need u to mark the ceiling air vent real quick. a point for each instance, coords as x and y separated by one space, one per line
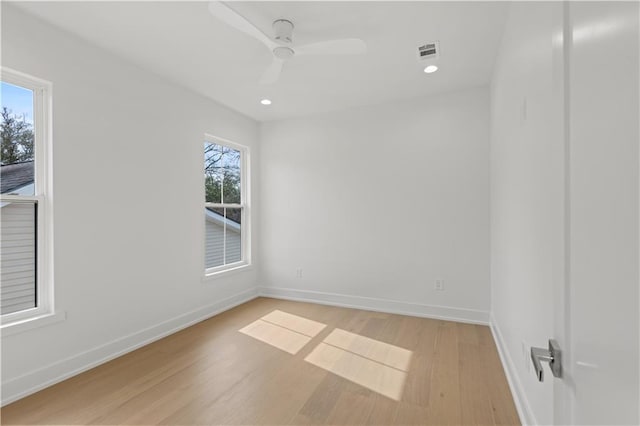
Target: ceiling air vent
428 51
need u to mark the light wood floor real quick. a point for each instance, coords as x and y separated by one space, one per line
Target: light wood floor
440 372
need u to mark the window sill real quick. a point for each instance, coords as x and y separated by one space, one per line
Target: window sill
224 272
32 323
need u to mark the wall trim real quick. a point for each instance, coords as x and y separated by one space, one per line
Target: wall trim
51 374
517 391
471 316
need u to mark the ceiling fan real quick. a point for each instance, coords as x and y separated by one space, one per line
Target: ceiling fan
281 45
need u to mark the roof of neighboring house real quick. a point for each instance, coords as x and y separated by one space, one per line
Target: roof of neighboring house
233 215
220 220
14 176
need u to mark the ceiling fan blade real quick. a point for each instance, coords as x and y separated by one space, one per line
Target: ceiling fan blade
347 46
272 73
237 21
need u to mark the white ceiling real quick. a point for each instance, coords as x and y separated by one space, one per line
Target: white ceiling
184 43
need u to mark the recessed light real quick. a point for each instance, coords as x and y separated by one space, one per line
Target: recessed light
266 102
430 69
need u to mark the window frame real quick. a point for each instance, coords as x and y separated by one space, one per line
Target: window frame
42 127
245 206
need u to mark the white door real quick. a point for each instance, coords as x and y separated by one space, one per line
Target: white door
598 322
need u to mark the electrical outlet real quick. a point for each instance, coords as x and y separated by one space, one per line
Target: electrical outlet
439 285
299 273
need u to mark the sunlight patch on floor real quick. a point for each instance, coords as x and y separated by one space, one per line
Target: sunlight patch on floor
376 365
384 353
295 323
284 331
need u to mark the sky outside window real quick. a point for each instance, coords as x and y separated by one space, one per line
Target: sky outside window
17 145
18 100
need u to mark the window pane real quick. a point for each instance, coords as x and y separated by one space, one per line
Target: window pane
213 173
17 144
223 185
18 256
232 176
233 240
214 244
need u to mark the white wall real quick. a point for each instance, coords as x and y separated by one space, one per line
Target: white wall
128 194
379 202
527 190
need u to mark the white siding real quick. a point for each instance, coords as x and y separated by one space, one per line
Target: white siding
214 244
17 257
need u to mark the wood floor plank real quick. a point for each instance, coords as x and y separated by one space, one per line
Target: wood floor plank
497 388
409 414
417 386
351 409
384 411
383 329
474 399
409 333
428 336
211 373
256 401
444 396
322 401
179 387
467 333
485 337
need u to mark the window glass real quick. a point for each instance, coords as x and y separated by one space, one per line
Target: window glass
224 205
231 176
233 234
19 201
18 262
17 149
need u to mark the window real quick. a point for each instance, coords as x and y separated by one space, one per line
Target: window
225 208
26 283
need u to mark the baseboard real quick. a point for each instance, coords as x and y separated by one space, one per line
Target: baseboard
517 391
34 381
379 305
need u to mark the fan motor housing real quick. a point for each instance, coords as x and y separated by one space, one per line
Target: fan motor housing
283 29
283 52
